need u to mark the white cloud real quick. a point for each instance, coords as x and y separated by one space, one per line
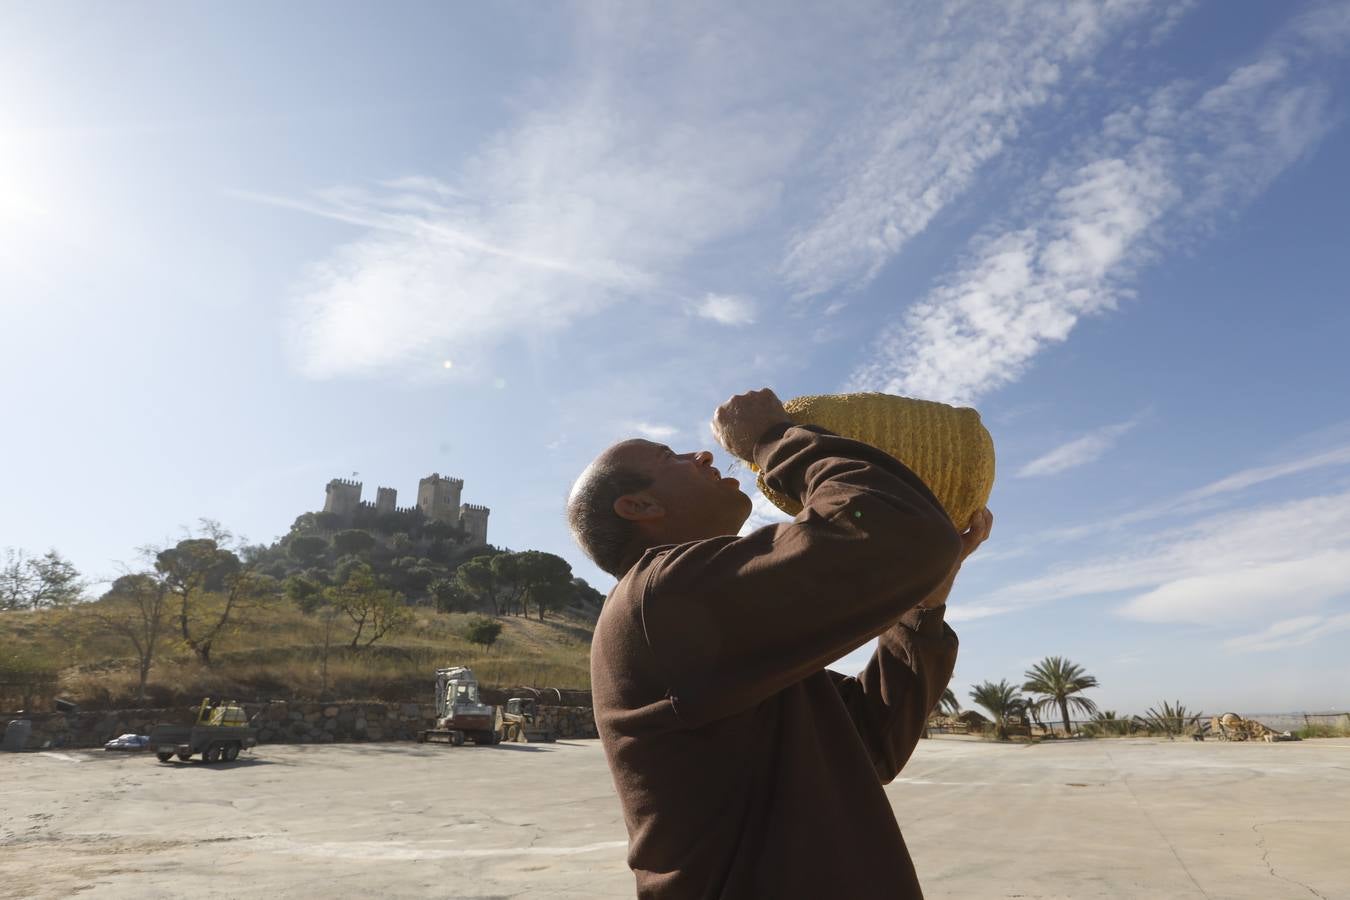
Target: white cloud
1287 633
654 431
1220 570
1173 164
596 195
960 82
727 309
1077 452
762 513
1235 589
1202 497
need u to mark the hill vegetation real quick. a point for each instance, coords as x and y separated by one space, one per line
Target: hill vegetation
324 612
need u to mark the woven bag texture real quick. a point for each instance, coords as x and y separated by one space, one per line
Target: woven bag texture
946 446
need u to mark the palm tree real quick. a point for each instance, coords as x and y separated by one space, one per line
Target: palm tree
949 704
1057 680
1170 720
1000 699
1109 722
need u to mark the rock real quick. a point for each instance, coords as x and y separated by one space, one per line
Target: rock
330 712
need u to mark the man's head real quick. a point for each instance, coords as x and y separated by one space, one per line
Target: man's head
640 494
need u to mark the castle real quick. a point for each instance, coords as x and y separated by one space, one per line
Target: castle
437 499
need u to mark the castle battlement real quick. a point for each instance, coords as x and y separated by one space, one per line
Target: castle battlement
438 499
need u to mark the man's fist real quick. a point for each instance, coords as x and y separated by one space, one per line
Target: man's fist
977 533
742 420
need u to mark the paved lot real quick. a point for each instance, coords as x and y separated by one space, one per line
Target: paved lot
1075 820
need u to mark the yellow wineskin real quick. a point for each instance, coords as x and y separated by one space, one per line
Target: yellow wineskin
946 446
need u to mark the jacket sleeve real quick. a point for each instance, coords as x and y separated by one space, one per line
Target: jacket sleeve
890 700
733 620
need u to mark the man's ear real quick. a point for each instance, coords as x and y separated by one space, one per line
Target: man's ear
638 508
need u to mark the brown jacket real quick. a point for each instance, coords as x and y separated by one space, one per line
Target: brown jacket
745 769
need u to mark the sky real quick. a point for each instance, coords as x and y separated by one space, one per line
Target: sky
247 248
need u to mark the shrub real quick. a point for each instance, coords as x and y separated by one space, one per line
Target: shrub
482 630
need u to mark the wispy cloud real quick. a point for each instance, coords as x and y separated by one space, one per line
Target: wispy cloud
727 309
596 195
1293 632
1078 452
1171 165
1203 497
612 178
1219 570
961 81
654 431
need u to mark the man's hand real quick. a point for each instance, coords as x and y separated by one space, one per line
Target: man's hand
742 420
980 525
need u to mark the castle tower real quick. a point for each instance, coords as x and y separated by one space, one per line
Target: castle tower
438 498
474 518
342 497
386 500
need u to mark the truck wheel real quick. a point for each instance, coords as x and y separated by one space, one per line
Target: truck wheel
163 757
185 755
457 738
212 754
231 752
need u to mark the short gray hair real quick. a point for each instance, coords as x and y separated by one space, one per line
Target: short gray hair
602 534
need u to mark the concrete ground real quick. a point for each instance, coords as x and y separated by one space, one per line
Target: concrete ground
1111 818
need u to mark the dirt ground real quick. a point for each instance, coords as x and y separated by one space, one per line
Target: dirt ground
1111 818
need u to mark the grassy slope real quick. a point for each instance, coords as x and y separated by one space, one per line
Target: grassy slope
278 655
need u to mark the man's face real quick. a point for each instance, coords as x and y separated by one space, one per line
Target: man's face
694 499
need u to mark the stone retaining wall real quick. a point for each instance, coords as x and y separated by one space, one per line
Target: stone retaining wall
282 723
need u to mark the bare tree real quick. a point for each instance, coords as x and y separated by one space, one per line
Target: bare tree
369 605
136 609
40 582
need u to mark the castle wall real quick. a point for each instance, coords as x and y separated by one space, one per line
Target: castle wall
475 521
438 497
342 497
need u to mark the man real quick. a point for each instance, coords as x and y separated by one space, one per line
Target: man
745 768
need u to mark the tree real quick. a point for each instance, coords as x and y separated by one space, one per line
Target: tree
40 582
547 579
211 588
328 614
1058 681
478 579
1171 720
482 630
949 704
303 592
1108 722
450 597
307 549
1001 700
135 608
369 605
511 583
353 542
586 598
